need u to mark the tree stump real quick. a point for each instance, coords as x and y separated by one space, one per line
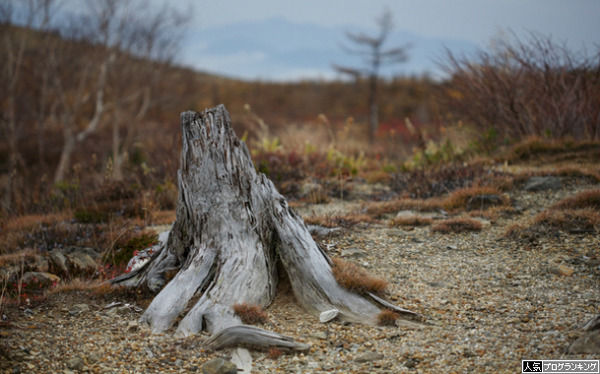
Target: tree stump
232 228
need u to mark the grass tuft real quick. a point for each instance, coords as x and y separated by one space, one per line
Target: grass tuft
250 314
355 278
413 220
584 200
387 318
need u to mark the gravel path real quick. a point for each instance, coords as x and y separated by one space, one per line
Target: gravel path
489 302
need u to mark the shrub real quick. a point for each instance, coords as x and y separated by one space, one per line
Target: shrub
355 278
127 245
250 314
457 225
523 88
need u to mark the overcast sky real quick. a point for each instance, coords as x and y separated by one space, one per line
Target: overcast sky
574 21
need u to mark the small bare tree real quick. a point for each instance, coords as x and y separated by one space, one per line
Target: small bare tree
371 48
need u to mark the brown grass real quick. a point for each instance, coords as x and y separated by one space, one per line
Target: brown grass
572 220
583 200
77 284
493 213
16 257
457 225
458 199
536 147
387 318
413 220
250 314
355 278
163 217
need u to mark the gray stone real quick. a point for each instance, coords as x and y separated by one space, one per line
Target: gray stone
219 366
328 315
542 183
78 309
81 263
322 335
76 363
483 201
369 356
588 343
41 279
133 326
58 263
352 252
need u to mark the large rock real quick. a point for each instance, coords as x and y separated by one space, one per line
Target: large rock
542 183
483 201
588 343
58 263
41 279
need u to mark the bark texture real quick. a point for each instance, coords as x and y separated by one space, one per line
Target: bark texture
232 228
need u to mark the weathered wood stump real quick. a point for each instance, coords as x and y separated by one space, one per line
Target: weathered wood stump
232 228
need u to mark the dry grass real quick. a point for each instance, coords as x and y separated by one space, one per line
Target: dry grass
16 230
77 284
570 220
535 147
355 278
457 225
583 200
387 318
250 314
493 213
412 220
16 257
458 199
163 217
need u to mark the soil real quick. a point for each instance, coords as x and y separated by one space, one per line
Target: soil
489 301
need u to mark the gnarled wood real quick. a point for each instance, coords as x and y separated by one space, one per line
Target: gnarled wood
231 229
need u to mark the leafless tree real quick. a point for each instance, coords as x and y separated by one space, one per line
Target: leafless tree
371 48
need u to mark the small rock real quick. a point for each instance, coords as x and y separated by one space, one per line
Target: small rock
219 366
352 252
319 335
133 326
81 263
563 270
78 309
542 183
58 263
76 363
369 356
328 315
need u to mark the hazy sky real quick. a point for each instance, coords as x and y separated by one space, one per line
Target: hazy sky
574 21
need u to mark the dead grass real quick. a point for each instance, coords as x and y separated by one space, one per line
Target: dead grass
569 220
583 200
457 225
387 318
274 353
250 314
163 217
535 147
77 284
355 278
16 257
413 220
16 230
493 213
458 199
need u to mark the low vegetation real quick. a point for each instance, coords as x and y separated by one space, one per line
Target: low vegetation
250 314
355 278
387 318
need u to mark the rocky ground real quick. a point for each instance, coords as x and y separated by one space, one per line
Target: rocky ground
489 301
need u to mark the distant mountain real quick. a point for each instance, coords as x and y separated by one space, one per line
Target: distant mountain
280 50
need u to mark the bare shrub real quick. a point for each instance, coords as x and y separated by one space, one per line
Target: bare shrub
532 87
